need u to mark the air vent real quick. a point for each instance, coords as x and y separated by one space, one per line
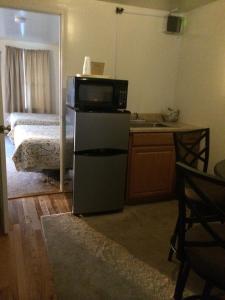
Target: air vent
174 24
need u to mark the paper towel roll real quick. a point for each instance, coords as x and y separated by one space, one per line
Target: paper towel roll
87 65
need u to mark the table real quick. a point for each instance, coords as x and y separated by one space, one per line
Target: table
219 169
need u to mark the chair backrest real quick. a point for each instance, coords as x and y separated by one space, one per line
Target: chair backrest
211 192
192 148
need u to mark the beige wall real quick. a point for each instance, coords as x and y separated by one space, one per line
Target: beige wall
148 58
200 93
54 66
89 30
143 53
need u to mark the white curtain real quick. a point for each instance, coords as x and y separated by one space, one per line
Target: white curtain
37 76
14 80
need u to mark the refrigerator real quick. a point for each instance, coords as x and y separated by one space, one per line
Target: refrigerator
100 155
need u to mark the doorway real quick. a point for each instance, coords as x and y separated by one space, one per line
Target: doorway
30 46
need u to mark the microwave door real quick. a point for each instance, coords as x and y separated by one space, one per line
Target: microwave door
95 95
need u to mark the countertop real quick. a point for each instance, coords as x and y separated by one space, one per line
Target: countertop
172 127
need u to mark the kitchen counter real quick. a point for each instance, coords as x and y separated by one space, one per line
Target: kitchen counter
151 160
169 127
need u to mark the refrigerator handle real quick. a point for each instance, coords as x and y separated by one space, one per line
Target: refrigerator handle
101 152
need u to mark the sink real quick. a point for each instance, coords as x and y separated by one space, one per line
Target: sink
144 123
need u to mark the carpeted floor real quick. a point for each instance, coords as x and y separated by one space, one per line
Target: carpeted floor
88 265
143 231
26 183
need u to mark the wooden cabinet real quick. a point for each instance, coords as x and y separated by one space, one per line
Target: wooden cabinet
151 167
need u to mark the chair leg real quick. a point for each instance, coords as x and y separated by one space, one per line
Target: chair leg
190 224
181 280
173 241
207 291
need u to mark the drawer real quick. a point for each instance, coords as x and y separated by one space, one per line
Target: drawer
152 139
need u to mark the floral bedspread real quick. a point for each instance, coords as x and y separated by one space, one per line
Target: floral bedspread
37 147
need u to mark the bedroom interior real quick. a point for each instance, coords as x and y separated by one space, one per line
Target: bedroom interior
30 89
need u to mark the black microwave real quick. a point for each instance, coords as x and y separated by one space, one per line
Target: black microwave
96 94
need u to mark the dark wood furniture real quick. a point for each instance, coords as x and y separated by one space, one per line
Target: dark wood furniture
201 247
192 149
151 166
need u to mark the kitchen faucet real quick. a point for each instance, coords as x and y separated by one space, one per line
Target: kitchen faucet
136 116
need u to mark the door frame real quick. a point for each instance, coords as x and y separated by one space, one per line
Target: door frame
3 185
3 181
61 103
61 13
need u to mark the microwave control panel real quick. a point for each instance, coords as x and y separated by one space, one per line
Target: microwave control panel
122 97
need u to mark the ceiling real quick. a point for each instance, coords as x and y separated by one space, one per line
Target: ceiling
38 27
181 5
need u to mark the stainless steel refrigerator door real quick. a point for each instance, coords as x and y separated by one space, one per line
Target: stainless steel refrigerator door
101 130
99 183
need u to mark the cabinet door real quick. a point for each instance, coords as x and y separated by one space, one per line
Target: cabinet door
151 171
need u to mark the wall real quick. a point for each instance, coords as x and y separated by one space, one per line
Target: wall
89 31
200 90
90 28
54 66
148 58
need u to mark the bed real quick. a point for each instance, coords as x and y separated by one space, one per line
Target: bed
30 119
33 119
37 147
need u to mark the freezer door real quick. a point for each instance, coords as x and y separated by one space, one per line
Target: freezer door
101 130
99 183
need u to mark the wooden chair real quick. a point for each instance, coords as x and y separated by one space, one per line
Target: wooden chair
201 247
192 149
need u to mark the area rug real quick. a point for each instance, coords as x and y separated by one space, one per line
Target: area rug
88 265
144 230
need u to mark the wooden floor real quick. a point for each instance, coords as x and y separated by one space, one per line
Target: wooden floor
24 268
